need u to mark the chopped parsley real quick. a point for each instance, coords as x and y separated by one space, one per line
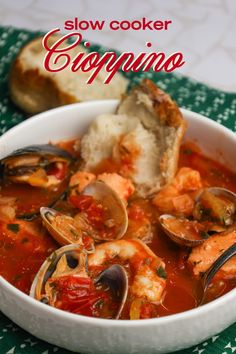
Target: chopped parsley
188 151
161 272
204 234
14 228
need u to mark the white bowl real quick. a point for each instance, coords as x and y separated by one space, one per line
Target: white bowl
91 335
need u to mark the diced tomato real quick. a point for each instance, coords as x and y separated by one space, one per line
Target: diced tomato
77 295
58 170
136 212
148 310
81 202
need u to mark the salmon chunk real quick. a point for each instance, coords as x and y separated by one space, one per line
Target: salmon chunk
202 257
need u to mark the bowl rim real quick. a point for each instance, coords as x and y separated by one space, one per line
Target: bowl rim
195 312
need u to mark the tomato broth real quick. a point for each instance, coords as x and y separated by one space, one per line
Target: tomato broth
24 245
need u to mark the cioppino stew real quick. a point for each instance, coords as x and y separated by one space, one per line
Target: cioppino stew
77 234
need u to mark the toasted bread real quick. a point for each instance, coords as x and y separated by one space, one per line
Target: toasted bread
159 114
144 138
34 89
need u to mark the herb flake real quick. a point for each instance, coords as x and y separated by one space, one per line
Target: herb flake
161 272
14 228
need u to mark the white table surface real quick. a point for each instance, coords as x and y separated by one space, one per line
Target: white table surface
204 30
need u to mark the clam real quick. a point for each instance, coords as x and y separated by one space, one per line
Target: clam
210 273
215 203
115 277
114 207
213 212
72 262
67 260
37 165
65 229
183 231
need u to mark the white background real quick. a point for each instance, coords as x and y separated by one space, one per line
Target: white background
204 30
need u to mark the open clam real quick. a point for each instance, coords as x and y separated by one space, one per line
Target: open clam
115 277
104 202
64 281
68 260
37 165
183 231
213 212
215 203
67 230
116 218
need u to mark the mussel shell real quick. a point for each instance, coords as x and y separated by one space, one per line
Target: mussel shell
44 149
179 239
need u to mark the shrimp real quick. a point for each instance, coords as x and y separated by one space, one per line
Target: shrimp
122 186
173 198
148 278
80 180
202 257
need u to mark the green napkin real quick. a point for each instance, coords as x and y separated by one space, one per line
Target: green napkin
217 105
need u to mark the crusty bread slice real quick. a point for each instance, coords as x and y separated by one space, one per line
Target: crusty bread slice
34 89
160 115
146 131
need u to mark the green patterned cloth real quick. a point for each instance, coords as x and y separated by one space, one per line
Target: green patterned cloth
217 105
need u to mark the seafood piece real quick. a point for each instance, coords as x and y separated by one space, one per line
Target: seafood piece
115 277
214 268
67 260
122 186
183 231
102 217
203 256
80 180
148 270
7 208
218 204
214 210
141 222
174 198
66 230
63 281
43 166
103 210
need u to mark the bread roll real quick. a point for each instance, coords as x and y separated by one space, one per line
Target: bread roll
34 89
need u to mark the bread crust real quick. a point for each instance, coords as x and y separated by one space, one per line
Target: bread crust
167 123
35 90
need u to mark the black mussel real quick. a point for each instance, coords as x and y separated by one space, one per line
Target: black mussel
43 166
